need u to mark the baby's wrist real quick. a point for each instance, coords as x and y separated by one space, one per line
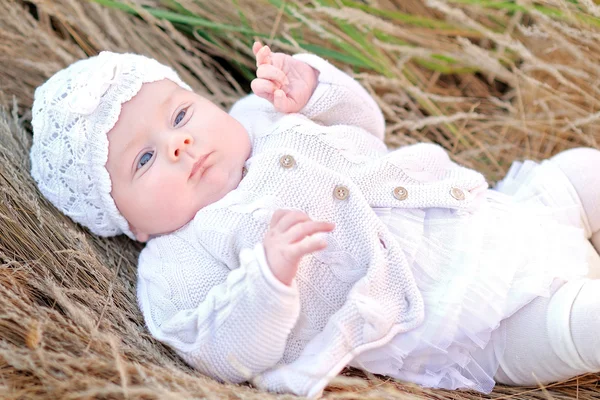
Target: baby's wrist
269 274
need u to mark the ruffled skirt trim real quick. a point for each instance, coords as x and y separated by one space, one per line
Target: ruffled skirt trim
476 269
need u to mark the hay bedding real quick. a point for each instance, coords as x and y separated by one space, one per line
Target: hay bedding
69 324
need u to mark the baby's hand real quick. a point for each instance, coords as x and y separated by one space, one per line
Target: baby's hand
289 239
286 82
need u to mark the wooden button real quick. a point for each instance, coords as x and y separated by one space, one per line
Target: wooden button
400 193
341 192
287 161
457 193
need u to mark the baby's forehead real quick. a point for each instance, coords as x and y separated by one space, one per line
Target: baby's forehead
153 97
158 90
154 102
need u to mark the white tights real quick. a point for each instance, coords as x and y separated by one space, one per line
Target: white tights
557 338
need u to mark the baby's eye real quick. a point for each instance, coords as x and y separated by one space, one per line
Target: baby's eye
147 156
179 117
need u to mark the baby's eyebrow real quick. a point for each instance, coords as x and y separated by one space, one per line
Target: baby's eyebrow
130 143
168 103
164 106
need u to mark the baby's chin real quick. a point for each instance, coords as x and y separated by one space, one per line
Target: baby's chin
227 183
163 231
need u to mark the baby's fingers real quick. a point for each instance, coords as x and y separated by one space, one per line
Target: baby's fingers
284 103
263 88
274 74
289 219
256 46
306 246
262 54
299 231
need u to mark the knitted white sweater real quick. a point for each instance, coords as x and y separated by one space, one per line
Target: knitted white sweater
207 291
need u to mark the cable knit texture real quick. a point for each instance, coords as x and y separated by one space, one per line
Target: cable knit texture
207 291
72 114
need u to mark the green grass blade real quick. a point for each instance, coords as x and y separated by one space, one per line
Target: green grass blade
178 18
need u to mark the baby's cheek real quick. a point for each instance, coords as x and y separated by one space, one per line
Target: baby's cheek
212 179
170 214
162 202
171 198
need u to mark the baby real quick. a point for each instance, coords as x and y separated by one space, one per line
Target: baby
285 242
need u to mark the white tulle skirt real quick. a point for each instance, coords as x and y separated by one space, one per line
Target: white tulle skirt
476 269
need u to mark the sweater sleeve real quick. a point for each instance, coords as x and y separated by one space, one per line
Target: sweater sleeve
229 324
338 99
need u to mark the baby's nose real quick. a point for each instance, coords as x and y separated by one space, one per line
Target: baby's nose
178 144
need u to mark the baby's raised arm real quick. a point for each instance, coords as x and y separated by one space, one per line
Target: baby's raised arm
309 85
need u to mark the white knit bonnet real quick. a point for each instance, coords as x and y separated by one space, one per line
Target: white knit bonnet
71 116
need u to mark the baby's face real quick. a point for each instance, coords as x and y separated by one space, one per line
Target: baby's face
171 153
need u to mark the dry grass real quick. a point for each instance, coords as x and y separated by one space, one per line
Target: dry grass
69 324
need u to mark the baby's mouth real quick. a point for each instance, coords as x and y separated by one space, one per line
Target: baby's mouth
199 165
